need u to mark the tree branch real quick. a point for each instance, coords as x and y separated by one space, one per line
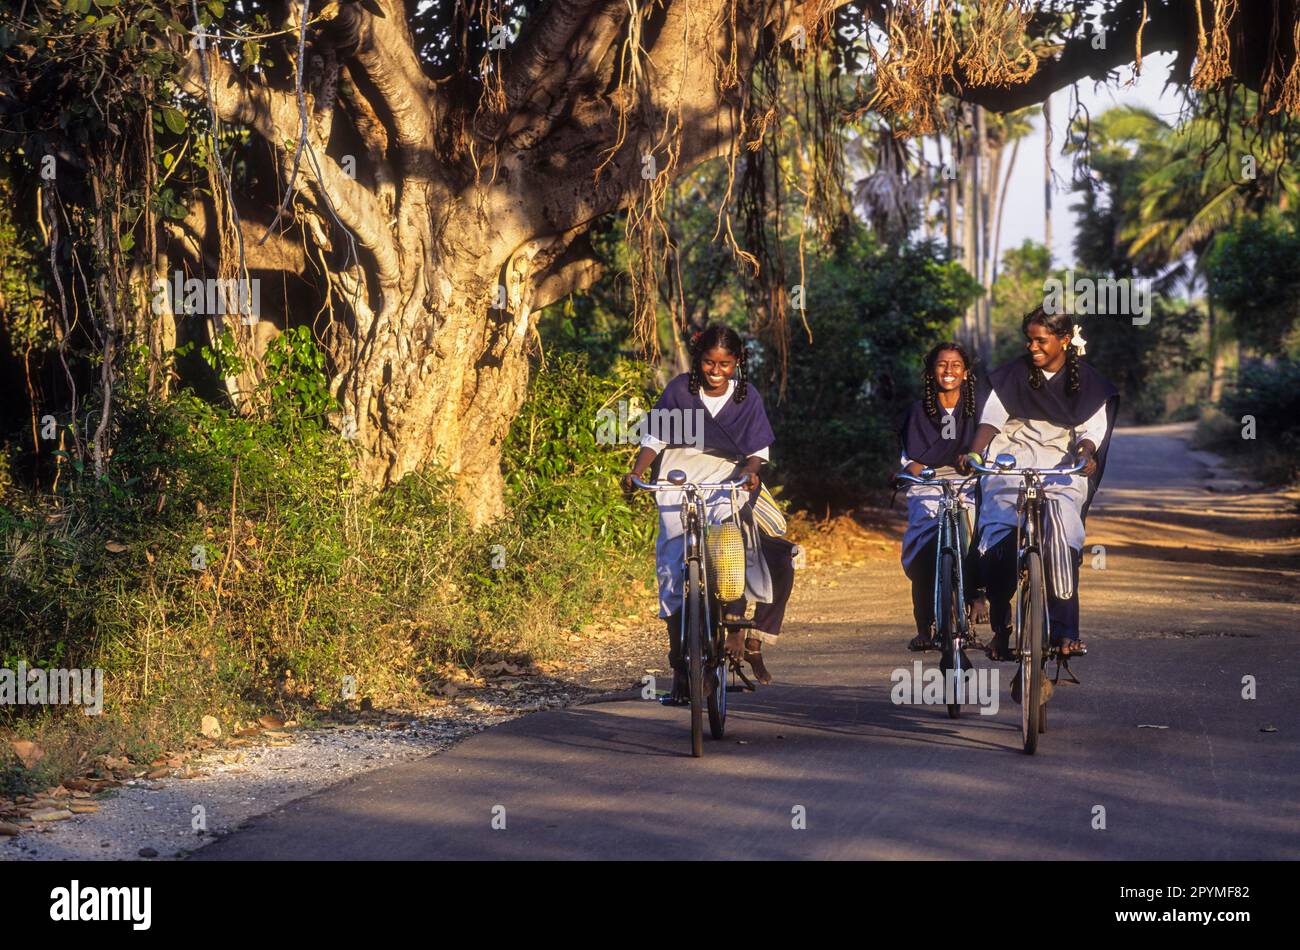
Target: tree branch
273 114
382 47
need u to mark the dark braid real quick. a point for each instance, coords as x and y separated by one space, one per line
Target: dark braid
1059 325
1071 369
968 396
719 335
930 400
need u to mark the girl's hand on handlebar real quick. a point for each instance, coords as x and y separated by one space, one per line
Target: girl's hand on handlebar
626 481
751 481
1090 462
963 463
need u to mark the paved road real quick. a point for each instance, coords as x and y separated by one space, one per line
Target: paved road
1193 597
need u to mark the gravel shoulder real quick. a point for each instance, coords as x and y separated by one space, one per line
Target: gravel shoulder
214 793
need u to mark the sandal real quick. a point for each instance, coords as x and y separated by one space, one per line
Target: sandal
920 643
754 655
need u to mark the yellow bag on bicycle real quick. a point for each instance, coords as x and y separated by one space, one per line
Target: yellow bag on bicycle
725 549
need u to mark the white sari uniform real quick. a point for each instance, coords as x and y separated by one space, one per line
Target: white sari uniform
923 510
1035 443
670 545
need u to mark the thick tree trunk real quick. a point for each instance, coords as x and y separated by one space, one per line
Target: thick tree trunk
462 219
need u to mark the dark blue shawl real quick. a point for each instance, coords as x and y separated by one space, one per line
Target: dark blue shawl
1052 403
738 430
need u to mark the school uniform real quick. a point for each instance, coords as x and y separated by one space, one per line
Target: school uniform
1042 428
712 447
934 442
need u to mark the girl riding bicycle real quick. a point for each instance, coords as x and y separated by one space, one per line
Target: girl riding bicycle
1048 409
937 430
711 424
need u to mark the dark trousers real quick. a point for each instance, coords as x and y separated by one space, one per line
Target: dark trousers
779 554
998 568
921 573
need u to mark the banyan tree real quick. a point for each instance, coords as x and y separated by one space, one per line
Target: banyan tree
414 180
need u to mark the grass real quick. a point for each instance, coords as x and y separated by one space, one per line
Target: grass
230 567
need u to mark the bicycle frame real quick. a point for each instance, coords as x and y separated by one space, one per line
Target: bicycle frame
1032 652
951 505
712 662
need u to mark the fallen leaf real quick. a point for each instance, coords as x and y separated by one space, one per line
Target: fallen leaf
271 722
28 752
50 814
116 547
8 829
210 728
158 773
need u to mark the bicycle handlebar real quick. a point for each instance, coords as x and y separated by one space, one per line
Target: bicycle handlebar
995 470
698 486
922 479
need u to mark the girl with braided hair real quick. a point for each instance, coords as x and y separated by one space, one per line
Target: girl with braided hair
1048 409
711 424
937 429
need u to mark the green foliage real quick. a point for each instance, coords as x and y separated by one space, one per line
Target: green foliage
1254 272
303 577
873 311
1270 392
556 469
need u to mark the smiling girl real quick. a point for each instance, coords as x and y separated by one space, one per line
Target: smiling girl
1048 409
936 432
712 426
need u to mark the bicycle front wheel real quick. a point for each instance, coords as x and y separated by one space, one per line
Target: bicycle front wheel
951 665
1033 633
695 654
717 696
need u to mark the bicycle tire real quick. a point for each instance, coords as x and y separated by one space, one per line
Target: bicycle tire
717 697
1031 654
695 654
947 620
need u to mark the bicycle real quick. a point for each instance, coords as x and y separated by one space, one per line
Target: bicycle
713 575
1033 649
952 620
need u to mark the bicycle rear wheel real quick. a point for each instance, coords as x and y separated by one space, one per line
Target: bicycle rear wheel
695 654
951 660
1033 632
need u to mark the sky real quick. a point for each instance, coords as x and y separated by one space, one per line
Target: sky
1023 217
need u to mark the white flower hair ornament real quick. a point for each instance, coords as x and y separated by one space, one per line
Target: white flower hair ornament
1078 342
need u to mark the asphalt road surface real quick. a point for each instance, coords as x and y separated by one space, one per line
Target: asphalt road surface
1198 591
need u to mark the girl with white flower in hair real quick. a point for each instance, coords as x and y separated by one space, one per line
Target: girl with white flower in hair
1049 409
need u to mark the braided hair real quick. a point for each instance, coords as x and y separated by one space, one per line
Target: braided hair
713 336
1057 324
930 401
